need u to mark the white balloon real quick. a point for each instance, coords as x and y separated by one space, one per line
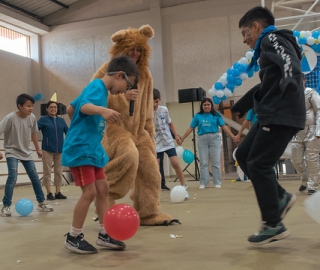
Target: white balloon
223 80
243 61
302 33
244 76
310 41
219 93
227 92
307 34
312 206
226 74
178 194
211 92
249 55
179 150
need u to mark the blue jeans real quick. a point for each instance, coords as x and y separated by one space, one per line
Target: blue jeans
12 164
209 147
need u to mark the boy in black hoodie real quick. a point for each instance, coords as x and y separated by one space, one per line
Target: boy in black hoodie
280 107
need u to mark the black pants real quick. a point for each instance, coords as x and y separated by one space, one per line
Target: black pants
256 155
163 179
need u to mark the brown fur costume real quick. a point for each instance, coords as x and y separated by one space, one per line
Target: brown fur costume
130 143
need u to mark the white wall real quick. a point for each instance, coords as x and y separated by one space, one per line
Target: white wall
194 45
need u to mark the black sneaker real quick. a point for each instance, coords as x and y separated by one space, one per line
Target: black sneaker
50 197
164 187
269 234
104 240
286 203
60 196
302 188
78 244
311 191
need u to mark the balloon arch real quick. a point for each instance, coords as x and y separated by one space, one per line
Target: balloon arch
238 73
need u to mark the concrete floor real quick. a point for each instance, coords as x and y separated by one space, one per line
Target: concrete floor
214 230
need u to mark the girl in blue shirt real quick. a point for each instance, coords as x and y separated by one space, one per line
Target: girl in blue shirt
208 122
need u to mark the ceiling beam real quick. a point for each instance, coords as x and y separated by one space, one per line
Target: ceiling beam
59 3
21 10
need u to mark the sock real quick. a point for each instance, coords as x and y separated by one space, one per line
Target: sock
102 230
74 232
185 186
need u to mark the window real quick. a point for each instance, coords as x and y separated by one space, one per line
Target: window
14 42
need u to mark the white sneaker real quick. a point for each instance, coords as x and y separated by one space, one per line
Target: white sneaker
5 211
44 207
218 186
202 187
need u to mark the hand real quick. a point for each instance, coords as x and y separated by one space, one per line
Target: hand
131 95
178 140
1 156
234 139
39 152
110 115
237 138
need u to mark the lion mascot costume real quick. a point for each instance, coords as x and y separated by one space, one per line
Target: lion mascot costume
130 142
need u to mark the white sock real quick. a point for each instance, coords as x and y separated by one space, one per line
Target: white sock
74 232
102 230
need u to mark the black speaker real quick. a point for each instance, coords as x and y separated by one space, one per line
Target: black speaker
191 95
62 109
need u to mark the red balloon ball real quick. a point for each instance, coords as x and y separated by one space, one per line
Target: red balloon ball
121 221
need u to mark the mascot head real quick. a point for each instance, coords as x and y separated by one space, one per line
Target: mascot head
126 39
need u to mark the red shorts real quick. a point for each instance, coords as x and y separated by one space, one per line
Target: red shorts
87 174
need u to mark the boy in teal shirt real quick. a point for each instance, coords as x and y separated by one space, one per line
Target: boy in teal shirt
84 154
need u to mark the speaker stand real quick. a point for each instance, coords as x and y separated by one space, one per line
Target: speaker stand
196 175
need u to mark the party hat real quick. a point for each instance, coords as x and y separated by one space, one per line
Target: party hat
54 97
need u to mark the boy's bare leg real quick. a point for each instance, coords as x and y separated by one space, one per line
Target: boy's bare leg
82 207
176 166
102 207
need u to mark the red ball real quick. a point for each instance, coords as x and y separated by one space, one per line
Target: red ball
121 221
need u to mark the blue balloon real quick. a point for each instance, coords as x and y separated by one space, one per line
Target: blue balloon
231 86
187 156
230 79
218 86
24 207
230 71
296 33
38 96
316 34
243 68
237 81
236 65
216 100
250 73
236 72
224 98
302 41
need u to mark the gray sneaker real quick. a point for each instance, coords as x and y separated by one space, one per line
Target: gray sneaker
104 240
286 203
44 207
5 211
269 234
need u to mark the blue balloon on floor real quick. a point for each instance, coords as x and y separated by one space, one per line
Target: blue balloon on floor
187 156
24 207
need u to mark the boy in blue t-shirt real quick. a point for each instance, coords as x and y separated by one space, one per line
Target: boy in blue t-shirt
84 153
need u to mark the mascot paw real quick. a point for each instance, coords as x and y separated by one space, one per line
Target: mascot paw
158 220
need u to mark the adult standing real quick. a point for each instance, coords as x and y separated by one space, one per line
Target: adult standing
208 122
130 142
53 129
280 108
305 144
